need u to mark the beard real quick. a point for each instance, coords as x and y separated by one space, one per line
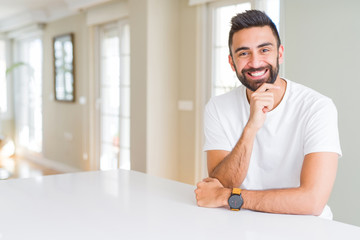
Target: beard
254 85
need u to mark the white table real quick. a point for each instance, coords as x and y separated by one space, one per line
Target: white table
130 205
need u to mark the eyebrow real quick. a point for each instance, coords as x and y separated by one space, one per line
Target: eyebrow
259 46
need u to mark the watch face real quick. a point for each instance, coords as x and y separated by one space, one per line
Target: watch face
235 201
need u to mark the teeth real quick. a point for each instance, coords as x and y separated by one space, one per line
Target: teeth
257 74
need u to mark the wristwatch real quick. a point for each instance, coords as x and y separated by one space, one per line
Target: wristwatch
235 200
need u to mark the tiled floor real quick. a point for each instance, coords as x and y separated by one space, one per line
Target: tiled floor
21 168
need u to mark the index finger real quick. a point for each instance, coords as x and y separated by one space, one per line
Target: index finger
267 86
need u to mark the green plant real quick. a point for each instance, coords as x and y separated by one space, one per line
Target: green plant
14 66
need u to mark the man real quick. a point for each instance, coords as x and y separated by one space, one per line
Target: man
272 144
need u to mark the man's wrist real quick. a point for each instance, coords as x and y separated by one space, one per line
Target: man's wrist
251 128
224 196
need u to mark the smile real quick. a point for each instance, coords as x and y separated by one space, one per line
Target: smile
258 73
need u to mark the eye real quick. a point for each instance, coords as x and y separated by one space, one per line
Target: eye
242 54
264 50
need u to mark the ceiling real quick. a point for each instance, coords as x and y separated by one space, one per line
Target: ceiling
17 13
11 8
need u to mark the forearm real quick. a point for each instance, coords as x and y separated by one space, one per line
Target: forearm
284 201
232 170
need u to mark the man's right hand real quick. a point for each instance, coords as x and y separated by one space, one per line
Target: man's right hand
261 102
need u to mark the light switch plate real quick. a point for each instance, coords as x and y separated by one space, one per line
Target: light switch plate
185 105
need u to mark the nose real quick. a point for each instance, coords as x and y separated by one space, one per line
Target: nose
255 61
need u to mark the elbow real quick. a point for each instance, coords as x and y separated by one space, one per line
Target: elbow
311 202
316 209
315 205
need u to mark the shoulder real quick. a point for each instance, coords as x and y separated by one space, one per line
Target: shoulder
307 97
227 99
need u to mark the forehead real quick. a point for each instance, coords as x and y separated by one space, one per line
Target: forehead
252 37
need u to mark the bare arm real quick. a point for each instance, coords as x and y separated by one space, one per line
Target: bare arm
316 181
231 167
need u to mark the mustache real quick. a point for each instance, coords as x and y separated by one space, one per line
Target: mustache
256 69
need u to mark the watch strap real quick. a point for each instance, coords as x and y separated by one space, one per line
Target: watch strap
236 191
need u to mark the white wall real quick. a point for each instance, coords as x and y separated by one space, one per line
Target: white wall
154 30
138 73
186 91
163 71
162 85
321 51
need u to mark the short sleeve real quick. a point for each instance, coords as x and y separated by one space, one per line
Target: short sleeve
321 132
215 136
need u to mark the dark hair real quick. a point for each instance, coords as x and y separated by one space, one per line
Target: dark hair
248 19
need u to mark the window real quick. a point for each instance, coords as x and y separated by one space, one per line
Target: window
28 94
3 85
114 96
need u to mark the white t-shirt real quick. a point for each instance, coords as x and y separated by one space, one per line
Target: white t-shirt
304 122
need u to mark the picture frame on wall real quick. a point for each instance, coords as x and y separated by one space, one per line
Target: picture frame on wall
64 71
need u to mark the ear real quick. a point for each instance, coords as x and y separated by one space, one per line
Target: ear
281 54
231 63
